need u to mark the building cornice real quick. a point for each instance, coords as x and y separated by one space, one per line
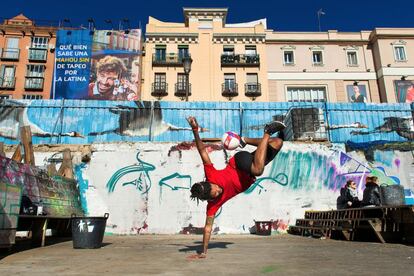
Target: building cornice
238 37
171 37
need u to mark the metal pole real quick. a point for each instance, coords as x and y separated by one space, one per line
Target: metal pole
187 83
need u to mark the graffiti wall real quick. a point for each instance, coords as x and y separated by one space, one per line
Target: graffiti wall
58 196
145 186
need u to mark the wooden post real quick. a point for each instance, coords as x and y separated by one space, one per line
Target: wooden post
17 155
2 150
66 169
26 136
51 169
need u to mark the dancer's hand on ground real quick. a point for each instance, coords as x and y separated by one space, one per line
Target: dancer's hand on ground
193 122
197 256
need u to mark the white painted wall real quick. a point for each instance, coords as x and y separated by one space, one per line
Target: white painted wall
166 210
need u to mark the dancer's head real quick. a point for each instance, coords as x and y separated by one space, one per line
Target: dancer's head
351 184
205 191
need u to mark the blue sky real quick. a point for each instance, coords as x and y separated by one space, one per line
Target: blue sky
299 15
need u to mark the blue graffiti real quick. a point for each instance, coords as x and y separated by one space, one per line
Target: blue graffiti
83 186
142 167
163 181
281 179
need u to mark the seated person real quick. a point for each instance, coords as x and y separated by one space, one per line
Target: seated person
371 193
348 197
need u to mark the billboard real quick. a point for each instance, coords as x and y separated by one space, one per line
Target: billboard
98 65
404 90
357 93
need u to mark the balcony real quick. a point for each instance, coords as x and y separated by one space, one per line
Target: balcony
10 54
229 90
7 83
34 83
253 90
170 59
37 55
240 60
159 89
180 90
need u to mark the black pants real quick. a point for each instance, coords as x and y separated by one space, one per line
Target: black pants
244 159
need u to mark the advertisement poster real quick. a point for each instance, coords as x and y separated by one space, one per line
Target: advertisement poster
357 93
99 65
404 90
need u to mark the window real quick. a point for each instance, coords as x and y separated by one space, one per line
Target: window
34 76
288 58
228 50
160 80
306 94
205 24
32 97
39 42
230 82
181 81
12 48
252 83
250 50
317 58
252 78
3 97
352 58
399 53
160 52
182 51
7 79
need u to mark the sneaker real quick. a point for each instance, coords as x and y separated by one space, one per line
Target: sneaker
242 142
273 127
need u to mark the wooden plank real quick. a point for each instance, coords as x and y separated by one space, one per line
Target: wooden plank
39 227
26 136
17 155
377 231
66 169
2 149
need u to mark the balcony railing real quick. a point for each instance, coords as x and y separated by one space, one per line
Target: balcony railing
181 89
159 89
253 89
36 54
240 60
7 82
10 54
34 83
229 90
171 59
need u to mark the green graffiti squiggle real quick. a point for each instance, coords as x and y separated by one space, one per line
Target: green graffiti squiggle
174 175
281 179
140 167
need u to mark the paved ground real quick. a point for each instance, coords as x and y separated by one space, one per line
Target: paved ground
229 255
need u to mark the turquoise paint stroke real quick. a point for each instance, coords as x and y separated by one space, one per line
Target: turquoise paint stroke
83 186
281 179
142 167
175 176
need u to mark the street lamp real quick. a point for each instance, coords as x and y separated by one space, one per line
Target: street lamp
187 68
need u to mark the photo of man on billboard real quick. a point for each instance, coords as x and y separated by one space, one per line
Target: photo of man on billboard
404 91
356 93
111 81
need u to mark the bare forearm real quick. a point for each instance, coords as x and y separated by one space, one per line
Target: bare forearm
206 239
199 144
207 233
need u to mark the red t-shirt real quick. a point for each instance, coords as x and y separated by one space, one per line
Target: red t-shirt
232 180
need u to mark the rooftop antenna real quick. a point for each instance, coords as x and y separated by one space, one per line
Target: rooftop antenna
320 12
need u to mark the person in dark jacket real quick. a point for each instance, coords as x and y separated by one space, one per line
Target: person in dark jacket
348 197
371 195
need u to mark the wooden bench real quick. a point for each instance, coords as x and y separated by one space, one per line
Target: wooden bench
384 224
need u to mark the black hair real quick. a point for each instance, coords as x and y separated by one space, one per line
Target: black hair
201 191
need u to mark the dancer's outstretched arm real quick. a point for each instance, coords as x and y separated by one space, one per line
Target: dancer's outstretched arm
199 144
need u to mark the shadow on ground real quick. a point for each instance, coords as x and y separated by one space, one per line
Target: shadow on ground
198 247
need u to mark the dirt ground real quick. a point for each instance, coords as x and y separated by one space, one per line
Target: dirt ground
228 255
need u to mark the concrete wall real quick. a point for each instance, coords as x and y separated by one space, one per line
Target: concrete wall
145 186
